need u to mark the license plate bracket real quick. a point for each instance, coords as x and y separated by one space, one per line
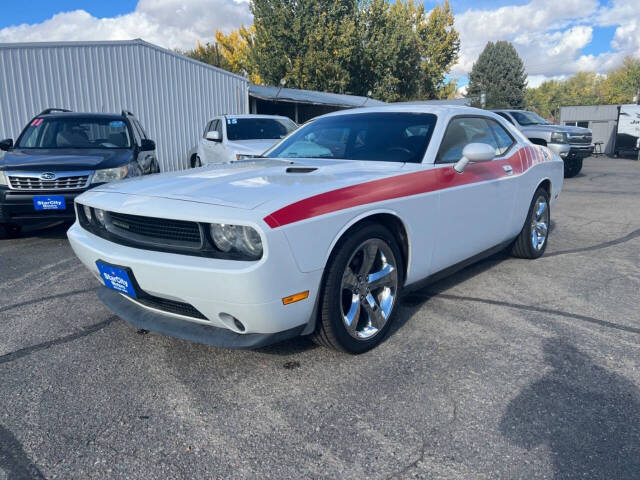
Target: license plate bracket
49 202
117 278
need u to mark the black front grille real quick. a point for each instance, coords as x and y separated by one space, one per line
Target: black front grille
579 138
171 306
155 228
71 182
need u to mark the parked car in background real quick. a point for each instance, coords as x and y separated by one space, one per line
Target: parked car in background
59 155
572 144
321 235
228 138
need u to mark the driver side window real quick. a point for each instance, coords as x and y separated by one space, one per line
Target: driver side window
461 132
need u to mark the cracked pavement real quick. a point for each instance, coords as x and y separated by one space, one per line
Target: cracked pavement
508 369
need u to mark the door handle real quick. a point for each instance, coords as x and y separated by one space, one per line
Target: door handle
508 169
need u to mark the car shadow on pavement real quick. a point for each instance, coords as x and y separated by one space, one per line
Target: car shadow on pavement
51 230
587 416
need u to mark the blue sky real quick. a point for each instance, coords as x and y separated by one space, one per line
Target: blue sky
555 38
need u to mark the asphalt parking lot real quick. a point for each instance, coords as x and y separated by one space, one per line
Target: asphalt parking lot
509 369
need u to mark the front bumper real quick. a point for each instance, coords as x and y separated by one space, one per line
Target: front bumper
560 149
580 151
141 317
250 292
17 206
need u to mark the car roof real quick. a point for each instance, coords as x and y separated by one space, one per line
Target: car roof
414 108
251 115
81 115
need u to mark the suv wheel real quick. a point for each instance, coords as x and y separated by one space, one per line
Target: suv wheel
11 230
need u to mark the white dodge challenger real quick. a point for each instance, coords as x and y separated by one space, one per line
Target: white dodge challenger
322 234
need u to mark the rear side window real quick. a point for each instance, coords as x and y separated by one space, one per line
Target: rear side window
503 139
506 117
465 130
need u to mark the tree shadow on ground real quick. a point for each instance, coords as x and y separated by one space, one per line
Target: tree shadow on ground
587 416
13 460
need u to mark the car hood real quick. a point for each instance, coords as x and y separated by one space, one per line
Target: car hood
252 147
251 183
60 160
557 128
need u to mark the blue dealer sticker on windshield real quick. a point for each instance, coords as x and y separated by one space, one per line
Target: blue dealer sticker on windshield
116 279
55 202
116 124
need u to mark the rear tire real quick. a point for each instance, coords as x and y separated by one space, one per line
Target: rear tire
360 290
196 162
534 236
572 167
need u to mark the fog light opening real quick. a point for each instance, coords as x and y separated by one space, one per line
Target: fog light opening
232 322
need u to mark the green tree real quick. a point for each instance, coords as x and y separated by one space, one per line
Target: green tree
440 48
623 83
499 73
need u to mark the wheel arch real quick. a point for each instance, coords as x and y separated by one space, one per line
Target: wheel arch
546 184
389 219
538 141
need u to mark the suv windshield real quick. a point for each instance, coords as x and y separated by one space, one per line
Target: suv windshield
529 118
75 132
259 128
385 137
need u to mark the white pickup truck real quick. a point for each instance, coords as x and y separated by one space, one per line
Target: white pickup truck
572 144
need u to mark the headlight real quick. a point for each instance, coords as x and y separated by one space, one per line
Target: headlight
559 137
87 212
100 216
3 179
239 238
110 174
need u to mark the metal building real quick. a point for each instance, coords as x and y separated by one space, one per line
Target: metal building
172 95
302 105
601 119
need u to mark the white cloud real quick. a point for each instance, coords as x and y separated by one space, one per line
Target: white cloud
550 35
168 23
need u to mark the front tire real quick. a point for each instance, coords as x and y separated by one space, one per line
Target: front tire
572 167
11 230
532 240
196 162
360 290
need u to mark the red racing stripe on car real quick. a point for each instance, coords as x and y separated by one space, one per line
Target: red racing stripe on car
399 186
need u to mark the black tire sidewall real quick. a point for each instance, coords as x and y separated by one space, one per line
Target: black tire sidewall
331 292
533 253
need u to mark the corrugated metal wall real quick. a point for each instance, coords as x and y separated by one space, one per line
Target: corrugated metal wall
171 95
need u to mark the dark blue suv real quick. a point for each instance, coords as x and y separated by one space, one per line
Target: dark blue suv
59 155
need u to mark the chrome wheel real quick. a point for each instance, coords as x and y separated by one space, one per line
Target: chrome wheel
369 288
539 223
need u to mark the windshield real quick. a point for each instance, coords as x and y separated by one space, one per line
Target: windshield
259 128
75 132
529 118
385 137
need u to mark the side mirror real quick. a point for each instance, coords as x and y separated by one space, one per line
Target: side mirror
474 152
214 136
147 145
6 144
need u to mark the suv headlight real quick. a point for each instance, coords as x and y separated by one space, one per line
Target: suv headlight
3 179
236 239
110 174
559 137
